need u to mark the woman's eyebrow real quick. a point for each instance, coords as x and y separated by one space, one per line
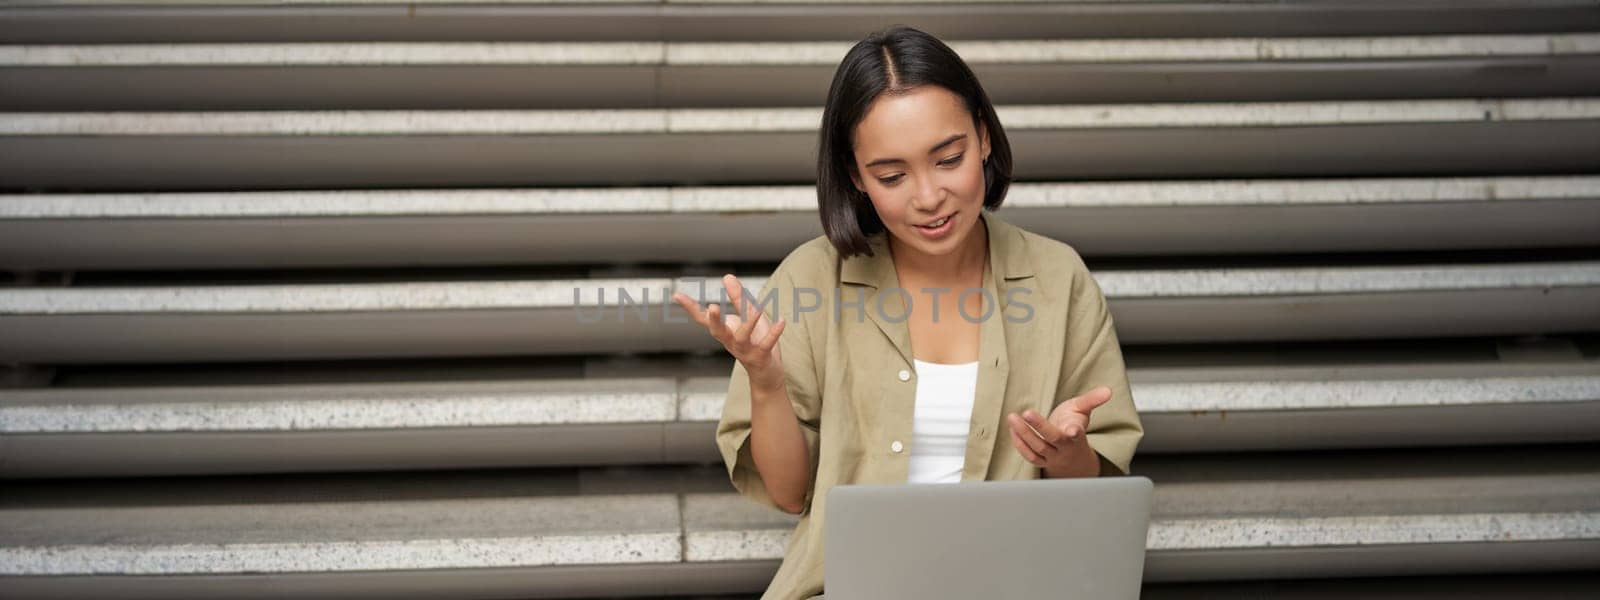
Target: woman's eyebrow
947 141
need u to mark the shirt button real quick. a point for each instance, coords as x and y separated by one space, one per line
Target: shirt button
896 447
905 375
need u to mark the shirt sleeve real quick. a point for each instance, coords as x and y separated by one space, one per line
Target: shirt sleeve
1093 358
800 377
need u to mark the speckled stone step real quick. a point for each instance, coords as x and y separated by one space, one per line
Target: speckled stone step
481 318
1519 586
779 54
487 533
253 229
131 430
1205 549
489 75
104 21
679 530
1536 585
1374 513
151 151
1213 409
339 427
348 537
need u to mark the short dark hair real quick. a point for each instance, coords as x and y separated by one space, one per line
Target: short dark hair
894 61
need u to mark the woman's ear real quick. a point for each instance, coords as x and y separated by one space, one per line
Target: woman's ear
983 141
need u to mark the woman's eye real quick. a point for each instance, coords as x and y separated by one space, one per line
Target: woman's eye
949 162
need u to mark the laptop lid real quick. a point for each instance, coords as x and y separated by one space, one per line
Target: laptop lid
1047 538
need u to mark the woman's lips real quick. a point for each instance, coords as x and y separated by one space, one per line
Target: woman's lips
940 231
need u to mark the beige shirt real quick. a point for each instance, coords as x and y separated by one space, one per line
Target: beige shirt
1048 338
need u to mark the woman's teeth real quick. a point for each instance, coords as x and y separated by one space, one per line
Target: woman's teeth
935 224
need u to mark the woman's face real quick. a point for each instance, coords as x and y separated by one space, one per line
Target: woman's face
920 159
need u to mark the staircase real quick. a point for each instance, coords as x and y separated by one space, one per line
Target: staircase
288 303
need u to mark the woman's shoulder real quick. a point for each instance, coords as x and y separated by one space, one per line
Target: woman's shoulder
1047 251
1055 263
814 263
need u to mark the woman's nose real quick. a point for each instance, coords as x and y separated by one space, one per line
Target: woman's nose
927 198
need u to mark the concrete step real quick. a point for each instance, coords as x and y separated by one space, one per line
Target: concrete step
1537 585
1550 585
342 149
173 429
678 530
1373 513
288 321
592 75
763 223
121 21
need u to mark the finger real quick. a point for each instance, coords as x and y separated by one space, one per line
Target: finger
690 306
772 336
735 290
1029 437
1029 434
1027 453
746 310
719 329
750 322
1023 450
1091 400
1071 425
1047 431
1073 431
1034 433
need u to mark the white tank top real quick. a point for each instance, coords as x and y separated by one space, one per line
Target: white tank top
941 420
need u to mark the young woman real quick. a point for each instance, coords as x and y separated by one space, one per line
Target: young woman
931 341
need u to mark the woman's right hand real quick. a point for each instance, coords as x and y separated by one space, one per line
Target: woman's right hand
748 335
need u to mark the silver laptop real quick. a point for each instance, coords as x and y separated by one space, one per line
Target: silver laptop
1047 538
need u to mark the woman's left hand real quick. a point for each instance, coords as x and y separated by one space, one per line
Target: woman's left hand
1059 444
